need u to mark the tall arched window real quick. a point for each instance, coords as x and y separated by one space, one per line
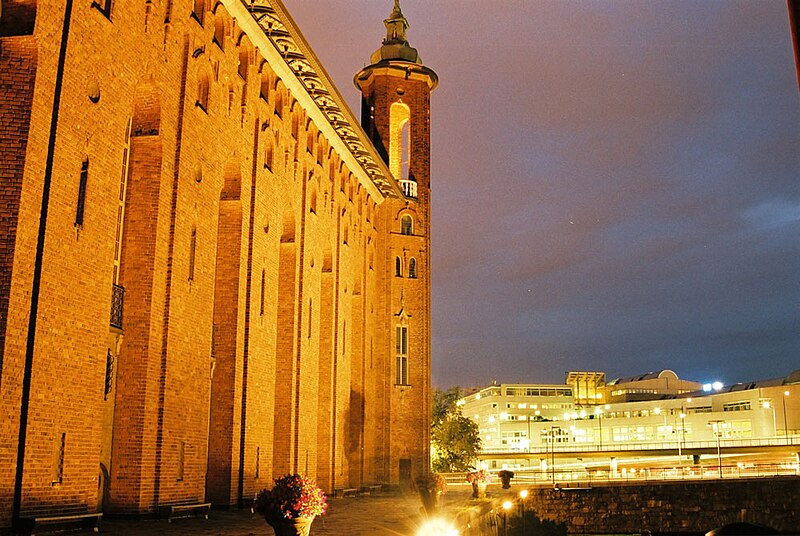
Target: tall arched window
199 10
219 30
399 141
202 93
406 225
244 60
398 267
412 268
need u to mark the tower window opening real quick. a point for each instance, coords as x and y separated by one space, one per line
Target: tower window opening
398 267
401 355
81 205
412 268
399 140
406 225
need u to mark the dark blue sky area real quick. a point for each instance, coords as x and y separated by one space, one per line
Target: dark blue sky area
616 184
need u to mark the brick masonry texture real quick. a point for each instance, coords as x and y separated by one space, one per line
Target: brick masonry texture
260 296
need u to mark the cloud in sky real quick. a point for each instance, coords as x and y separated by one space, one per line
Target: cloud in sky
616 185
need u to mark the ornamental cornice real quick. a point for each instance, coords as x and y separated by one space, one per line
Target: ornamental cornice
272 30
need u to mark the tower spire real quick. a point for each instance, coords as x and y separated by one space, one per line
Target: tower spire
396 26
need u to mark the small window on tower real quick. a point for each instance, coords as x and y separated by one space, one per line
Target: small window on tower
412 268
398 267
406 225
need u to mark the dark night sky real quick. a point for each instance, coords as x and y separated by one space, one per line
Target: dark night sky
616 184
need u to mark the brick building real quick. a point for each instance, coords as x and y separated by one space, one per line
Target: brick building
189 166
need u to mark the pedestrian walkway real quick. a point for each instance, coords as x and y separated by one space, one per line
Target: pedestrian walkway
391 515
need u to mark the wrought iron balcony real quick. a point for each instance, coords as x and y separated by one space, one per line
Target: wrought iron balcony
117 306
409 188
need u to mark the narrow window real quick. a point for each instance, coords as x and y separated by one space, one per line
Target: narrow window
279 103
192 253
104 6
398 267
243 61
310 316
181 459
258 463
295 124
123 187
406 225
264 91
313 202
202 93
268 155
199 11
109 374
57 471
219 31
401 352
263 279
412 268
310 142
82 193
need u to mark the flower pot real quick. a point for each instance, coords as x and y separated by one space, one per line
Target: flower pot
300 526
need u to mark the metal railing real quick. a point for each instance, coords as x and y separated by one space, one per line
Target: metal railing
579 448
117 306
409 188
582 477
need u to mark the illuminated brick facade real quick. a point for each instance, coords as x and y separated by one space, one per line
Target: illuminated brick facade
194 154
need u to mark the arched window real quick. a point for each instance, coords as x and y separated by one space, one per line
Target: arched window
399 142
406 225
279 101
264 91
202 93
219 30
81 205
412 268
312 206
244 59
268 155
398 267
199 11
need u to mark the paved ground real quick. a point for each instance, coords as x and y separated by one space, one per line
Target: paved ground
376 515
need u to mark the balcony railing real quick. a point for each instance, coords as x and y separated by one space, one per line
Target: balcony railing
409 188
117 306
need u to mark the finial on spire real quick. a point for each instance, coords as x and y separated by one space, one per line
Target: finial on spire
396 26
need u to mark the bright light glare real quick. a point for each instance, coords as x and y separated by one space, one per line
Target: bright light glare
717 386
706 387
507 505
437 527
523 493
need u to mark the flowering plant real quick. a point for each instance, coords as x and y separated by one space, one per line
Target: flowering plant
481 475
433 483
292 496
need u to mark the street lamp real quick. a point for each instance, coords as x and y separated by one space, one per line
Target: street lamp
523 494
506 507
717 427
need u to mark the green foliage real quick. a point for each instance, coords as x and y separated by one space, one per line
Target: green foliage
444 402
454 437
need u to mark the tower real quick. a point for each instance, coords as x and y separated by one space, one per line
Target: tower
395 114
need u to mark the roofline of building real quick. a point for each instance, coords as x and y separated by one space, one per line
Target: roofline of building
271 29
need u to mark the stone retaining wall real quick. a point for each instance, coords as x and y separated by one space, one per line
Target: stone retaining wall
685 507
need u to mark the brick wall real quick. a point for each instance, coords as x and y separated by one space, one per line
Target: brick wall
216 196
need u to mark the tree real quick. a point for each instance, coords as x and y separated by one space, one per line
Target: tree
455 438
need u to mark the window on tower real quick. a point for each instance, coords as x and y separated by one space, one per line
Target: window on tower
406 225
401 352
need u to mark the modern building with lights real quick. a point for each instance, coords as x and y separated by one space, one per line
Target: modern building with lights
534 417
